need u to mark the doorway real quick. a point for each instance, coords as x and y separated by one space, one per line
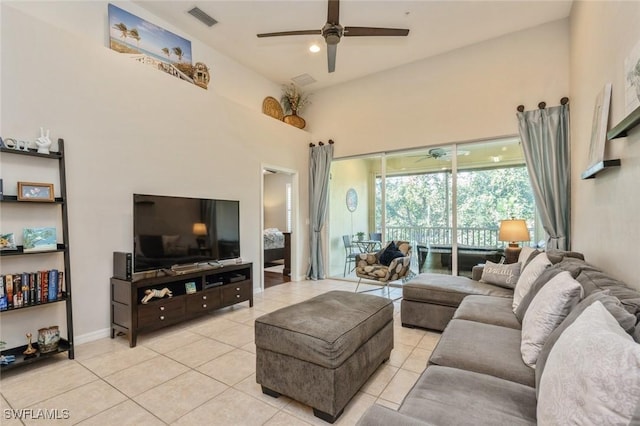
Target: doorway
278 202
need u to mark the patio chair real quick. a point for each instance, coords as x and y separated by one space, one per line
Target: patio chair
350 254
372 266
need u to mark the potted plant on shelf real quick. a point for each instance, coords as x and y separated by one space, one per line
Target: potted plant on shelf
293 101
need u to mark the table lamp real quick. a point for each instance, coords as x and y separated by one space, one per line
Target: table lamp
513 231
200 231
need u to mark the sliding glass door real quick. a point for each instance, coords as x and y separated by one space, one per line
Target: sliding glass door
447 201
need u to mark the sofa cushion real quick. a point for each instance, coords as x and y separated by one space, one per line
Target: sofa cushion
592 374
450 396
593 279
525 254
501 274
528 277
377 415
483 348
448 290
572 265
612 304
325 330
488 310
547 310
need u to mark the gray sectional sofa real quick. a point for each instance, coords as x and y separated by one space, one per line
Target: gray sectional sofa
476 374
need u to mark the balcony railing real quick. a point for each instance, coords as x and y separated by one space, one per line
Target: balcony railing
433 235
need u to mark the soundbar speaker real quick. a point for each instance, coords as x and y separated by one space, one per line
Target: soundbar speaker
122 265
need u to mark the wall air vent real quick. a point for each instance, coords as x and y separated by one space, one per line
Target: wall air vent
303 80
202 17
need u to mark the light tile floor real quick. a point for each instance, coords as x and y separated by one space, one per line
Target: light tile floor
198 372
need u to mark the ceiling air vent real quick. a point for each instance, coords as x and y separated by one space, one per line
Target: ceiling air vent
303 80
202 17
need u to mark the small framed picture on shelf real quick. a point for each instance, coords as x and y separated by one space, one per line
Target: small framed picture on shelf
190 287
7 242
31 191
39 239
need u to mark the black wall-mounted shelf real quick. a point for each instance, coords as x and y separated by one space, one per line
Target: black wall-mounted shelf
592 171
628 123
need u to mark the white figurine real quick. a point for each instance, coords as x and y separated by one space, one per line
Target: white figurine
150 294
43 142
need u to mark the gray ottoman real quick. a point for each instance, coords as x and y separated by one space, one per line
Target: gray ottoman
321 351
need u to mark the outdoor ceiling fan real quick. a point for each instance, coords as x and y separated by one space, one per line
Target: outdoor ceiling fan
441 153
332 31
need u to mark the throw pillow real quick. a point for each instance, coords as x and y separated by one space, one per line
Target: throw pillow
551 305
592 375
528 276
626 320
390 253
500 274
525 253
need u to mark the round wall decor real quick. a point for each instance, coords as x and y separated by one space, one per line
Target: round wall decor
352 200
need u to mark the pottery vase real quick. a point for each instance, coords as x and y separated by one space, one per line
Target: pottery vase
48 339
295 120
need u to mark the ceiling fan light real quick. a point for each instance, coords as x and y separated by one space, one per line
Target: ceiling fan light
314 48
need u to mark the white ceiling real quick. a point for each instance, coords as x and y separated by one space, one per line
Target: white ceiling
436 26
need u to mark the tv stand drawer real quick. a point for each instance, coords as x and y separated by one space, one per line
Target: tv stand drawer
203 301
161 312
237 292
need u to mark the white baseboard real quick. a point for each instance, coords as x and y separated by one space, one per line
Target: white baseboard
94 335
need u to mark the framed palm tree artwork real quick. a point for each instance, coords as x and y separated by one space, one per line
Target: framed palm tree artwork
150 44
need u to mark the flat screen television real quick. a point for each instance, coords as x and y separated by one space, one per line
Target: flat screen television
170 231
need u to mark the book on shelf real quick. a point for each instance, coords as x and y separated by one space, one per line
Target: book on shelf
31 288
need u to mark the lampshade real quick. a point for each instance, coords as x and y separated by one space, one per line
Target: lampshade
513 230
199 229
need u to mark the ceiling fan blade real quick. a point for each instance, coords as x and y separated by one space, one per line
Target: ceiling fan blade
290 33
370 31
331 56
333 14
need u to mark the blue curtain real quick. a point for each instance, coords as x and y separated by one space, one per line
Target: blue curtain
319 168
545 141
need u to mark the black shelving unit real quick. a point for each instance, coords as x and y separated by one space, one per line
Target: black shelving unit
65 345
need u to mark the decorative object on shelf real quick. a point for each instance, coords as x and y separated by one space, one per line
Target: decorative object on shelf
293 100
272 108
48 339
7 359
360 236
32 191
190 287
200 75
352 200
632 80
151 293
599 135
7 242
513 230
39 239
18 145
599 126
43 142
30 349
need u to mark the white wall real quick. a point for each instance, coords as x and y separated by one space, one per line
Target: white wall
129 128
468 94
605 209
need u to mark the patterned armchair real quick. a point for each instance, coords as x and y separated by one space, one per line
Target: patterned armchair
368 265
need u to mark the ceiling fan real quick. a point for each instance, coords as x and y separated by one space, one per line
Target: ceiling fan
441 153
332 31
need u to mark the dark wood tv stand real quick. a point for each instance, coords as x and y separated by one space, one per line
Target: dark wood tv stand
215 288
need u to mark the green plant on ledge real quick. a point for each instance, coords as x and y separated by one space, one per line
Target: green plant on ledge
293 100
360 236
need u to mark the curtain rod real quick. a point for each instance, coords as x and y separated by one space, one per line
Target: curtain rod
543 105
311 145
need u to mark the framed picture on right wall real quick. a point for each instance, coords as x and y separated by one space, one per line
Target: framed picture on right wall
632 80
599 126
